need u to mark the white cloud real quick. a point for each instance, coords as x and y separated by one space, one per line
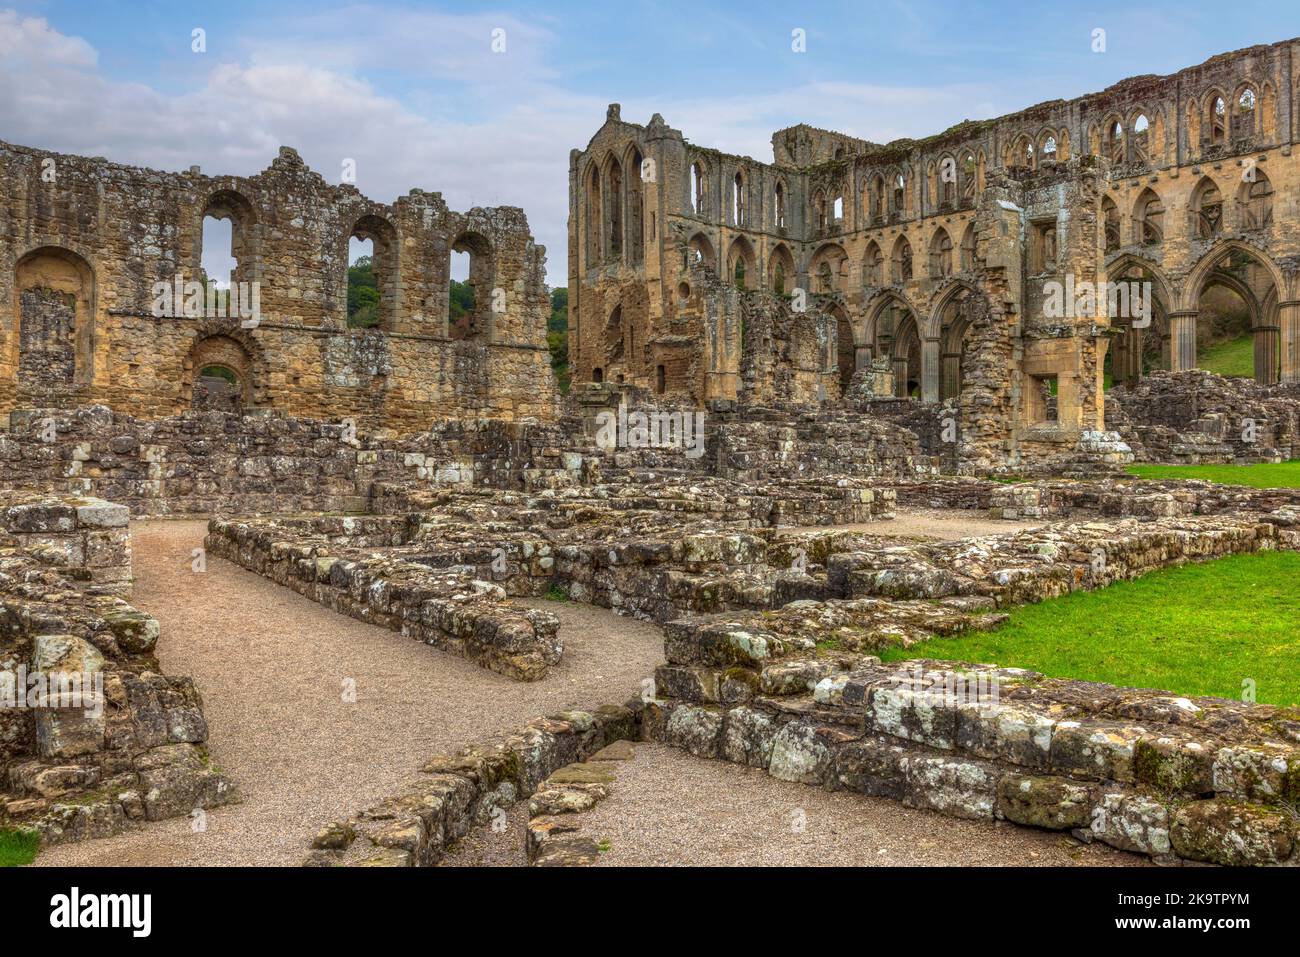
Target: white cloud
331 94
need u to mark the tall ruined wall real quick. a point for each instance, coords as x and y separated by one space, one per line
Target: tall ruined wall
84 241
941 255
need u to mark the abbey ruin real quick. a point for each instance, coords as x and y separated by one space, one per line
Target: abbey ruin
389 596
89 246
848 270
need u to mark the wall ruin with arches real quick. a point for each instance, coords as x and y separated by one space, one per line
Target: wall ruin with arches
84 241
928 269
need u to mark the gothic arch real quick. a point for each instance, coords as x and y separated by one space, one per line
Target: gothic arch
781 270
742 267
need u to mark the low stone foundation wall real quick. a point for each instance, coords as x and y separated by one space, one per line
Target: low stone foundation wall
473 787
449 610
1197 779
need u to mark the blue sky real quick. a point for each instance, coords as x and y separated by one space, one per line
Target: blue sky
415 95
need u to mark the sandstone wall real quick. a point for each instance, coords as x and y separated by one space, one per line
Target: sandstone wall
84 241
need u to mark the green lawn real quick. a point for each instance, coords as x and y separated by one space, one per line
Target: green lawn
1199 629
1261 475
1233 357
17 848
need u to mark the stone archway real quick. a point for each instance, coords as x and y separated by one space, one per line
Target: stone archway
219 372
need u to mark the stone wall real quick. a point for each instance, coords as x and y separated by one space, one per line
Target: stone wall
796 692
94 738
449 609
1193 418
473 787
85 243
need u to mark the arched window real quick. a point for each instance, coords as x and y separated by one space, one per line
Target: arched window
1217 121
738 199
1049 149
1244 121
635 210
469 297
595 216
838 209
969 179
900 194
878 199
698 192
615 202
381 239
948 181
1115 142
1141 147
779 205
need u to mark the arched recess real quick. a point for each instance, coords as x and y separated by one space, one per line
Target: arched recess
1207 210
1139 317
845 346
383 264
475 322
614 335
901 261
941 258
828 269
873 266
1112 235
594 217
1149 218
958 309
219 373
1253 280
612 241
1255 201
54 310
742 268
635 212
781 270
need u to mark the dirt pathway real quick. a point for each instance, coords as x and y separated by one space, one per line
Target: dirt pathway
271 666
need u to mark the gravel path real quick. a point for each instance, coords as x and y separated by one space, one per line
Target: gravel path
668 808
945 524
271 666
671 808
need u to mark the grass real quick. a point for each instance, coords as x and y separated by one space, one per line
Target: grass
556 593
1234 357
1259 475
1199 629
18 848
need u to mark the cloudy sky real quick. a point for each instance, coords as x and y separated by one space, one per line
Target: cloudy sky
416 95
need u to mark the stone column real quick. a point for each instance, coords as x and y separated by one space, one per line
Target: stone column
1266 342
1289 315
929 370
1182 346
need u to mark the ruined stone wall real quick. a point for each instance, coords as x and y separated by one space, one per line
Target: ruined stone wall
939 255
1191 418
94 737
84 241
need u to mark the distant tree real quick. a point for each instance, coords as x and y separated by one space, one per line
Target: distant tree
363 294
557 336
